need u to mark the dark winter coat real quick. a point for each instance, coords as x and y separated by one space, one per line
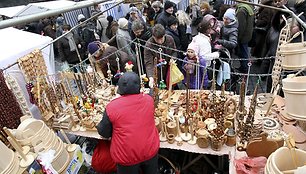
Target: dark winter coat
157 14
163 18
264 16
150 55
185 38
146 35
246 22
64 50
176 37
86 34
229 35
301 7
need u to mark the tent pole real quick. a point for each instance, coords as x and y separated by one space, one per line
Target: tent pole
34 17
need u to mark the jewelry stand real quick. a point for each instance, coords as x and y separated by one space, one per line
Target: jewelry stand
193 139
178 137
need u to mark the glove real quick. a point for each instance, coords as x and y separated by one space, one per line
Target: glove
151 82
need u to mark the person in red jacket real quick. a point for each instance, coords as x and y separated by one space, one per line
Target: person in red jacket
129 122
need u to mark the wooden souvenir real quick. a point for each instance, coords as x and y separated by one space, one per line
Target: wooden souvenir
193 139
26 160
297 134
202 138
216 143
230 138
172 128
178 135
61 159
25 149
7 157
286 160
163 134
261 147
171 138
70 147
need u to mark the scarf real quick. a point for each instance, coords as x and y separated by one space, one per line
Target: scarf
248 8
71 41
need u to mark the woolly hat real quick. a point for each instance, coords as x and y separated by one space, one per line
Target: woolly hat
231 14
133 10
129 83
193 46
60 20
81 17
168 4
93 47
123 23
172 20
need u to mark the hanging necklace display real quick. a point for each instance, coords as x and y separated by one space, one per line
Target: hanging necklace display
109 73
15 88
119 73
79 86
72 101
155 86
245 133
186 136
162 62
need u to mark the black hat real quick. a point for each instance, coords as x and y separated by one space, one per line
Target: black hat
168 4
129 83
172 20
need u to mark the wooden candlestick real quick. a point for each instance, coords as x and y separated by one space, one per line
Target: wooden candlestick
178 136
70 147
193 139
162 136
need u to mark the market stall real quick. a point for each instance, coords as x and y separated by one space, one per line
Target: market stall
15 44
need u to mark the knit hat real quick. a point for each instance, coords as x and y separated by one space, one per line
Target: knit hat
123 23
93 47
81 17
60 20
193 46
231 14
133 10
168 4
129 83
172 20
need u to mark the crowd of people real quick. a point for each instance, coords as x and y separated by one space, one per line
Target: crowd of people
241 29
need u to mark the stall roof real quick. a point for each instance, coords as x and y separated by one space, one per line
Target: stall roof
39 7
11 11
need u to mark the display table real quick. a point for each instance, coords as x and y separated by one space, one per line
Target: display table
225 150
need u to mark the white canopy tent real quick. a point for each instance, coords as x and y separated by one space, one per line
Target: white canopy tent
34 8
11 11
15 44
